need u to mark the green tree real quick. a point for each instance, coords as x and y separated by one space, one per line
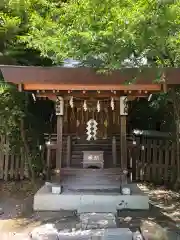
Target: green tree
112 32
18 123
14 23
18 128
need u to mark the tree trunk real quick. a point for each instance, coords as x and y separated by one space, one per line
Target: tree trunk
27 151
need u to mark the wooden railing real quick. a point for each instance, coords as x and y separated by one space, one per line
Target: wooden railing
12 166
151 159
154 160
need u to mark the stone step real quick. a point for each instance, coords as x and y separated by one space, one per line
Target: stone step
97 220
93 178
97 207
87 174
79 171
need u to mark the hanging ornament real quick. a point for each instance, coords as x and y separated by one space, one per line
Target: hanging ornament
98 106
112 103
71 102
91 130
85 105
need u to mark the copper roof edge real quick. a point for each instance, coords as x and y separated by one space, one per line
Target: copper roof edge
80 67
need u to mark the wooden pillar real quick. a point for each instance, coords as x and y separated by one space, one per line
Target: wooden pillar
48 174
59 142
68 156
123 140
134 153
114 153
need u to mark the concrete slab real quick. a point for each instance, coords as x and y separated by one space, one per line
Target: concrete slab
90 201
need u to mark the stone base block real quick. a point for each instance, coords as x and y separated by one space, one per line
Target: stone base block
102 202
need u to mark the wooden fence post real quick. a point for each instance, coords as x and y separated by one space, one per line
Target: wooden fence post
6 164
2 141
22 164
12 167
173 162
17 167
166 162
148 160
154 161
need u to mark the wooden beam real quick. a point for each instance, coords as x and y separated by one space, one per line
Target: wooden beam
115 87
50 96
90 94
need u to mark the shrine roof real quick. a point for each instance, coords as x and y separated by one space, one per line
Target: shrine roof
82 75
83 78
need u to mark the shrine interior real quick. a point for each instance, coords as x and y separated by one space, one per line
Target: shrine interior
77 113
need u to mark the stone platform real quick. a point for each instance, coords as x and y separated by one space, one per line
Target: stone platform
90 190
89 201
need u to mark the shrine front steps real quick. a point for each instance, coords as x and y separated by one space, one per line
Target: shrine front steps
89 201
91 179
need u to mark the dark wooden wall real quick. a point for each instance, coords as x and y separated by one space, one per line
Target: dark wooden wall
75 119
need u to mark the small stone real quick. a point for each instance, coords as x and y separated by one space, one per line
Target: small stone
121 219
137 236
48 232
127 219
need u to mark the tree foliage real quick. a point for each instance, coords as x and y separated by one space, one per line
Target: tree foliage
18 128
112 32
109 34
11 112
14 23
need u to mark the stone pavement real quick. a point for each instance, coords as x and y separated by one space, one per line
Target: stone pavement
91 226
97 220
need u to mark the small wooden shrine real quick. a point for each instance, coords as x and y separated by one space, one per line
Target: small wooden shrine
91 110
